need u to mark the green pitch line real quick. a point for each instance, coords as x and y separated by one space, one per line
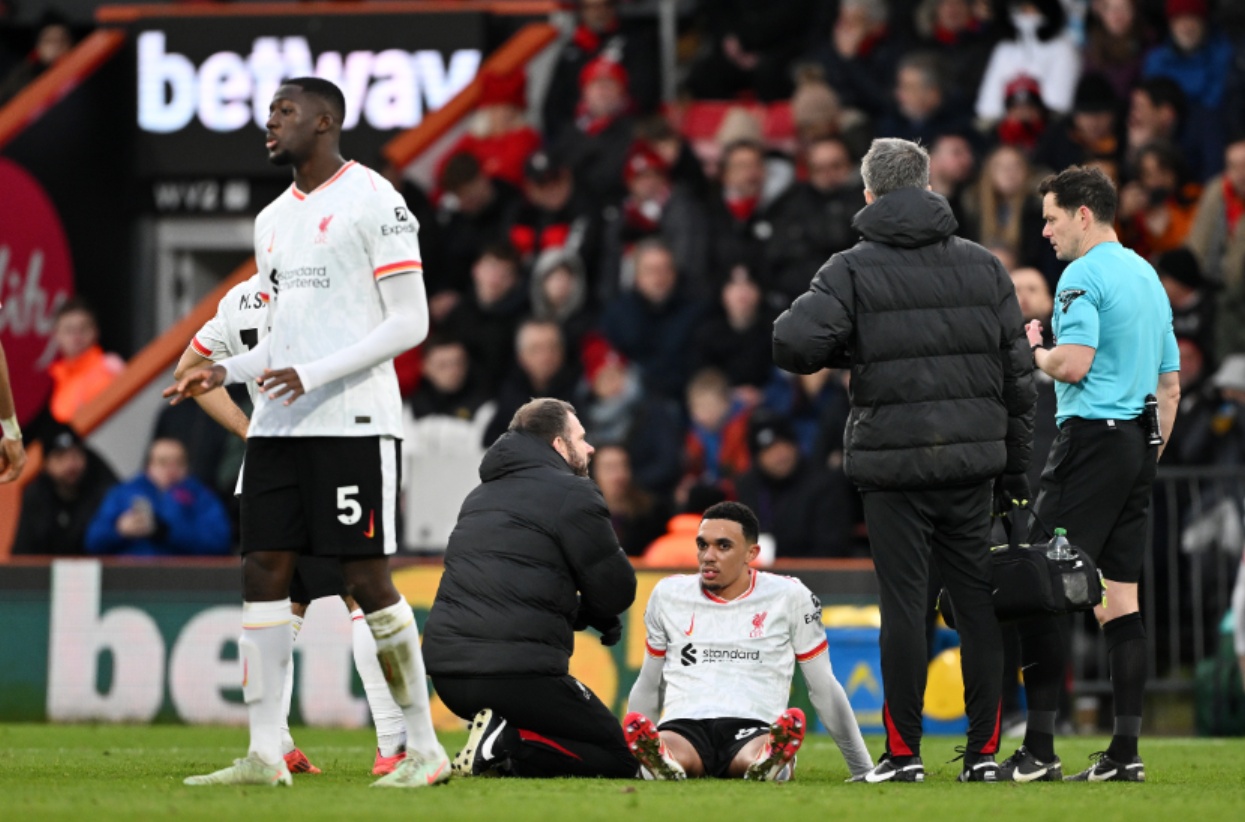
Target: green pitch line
104 773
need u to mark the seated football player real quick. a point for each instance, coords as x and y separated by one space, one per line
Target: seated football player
711 698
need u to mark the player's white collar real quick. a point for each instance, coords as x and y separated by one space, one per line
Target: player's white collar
298 195
752 584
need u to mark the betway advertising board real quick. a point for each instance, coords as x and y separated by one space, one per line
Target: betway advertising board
86 641
203 84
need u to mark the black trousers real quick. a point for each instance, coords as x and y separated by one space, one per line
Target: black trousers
905 529
564 729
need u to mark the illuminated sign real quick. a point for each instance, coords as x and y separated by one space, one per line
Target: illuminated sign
203 86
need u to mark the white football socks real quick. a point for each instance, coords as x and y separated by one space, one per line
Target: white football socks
265 648
386 715
287 740
397 648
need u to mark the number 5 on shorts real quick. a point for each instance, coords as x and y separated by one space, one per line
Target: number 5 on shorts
351 511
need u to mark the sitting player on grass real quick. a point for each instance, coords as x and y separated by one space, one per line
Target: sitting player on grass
722 647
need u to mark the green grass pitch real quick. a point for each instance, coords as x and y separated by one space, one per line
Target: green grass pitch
100 773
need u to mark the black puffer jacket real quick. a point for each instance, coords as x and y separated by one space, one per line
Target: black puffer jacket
532 553
942 375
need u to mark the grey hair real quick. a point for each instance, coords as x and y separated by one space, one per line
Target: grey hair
876 9
892 164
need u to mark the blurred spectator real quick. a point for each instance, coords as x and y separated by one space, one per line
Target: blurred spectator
1034 42
637 516
53 42
559 293
653 324
601 32
542 370
1218 239
1091 131
555 213
813 219
1193 305
1156 210
1024 114
486 320
735 339
715 450
58 505
595 148
447 387
680 161
614 408
652 208
210 450
1118 37
474 212
82 369
1199 60
739 226
677 547
1210 425
922 109
750 47
498 135
1217 236
1000 208
161 512
954 31
1156 112
952 162
817 406
801 505
1033 293
817 113
859 55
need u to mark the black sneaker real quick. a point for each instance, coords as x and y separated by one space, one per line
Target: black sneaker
489 745
984 769
1106 769
902 769
1023 766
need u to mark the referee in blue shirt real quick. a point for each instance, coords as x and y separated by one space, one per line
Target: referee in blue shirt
1114 346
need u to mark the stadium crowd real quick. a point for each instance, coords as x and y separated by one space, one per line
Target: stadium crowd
630 258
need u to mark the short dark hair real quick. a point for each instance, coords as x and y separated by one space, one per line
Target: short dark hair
326 91
1078 186
1164 91
438 339
459 170
742 144
76 305
501 250
736 512
545 418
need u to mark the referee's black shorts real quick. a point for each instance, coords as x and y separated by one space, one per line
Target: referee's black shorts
323 496
1097 485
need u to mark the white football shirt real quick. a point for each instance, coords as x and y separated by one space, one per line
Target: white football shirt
731 658
241 321
321 255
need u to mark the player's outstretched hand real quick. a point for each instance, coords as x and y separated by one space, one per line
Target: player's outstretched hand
284 382
195 383
12 459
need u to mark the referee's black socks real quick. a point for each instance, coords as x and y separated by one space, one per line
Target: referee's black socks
1126 650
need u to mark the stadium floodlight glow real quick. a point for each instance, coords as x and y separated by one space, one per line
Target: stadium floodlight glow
387 89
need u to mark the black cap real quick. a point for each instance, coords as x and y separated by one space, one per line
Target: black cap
1094 94
542 167
58 437
766 428
1181 266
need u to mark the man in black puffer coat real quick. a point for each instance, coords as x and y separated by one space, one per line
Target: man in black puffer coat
942 406
532 559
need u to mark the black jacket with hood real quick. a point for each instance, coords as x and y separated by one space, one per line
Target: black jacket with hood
942 376
532 556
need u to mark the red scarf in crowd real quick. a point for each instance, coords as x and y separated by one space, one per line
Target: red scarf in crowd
741 208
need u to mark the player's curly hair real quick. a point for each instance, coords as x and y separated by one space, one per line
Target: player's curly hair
736 512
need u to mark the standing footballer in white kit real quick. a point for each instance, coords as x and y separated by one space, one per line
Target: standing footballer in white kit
340 256
241 321
722 647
